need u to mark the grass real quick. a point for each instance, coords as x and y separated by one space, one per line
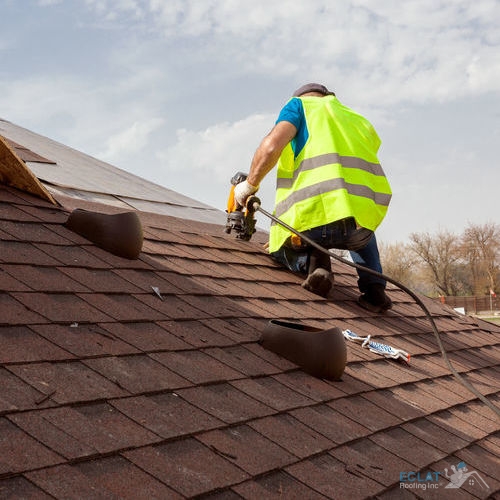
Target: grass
491 319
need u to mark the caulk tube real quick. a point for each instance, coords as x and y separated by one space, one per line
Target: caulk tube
388 351
376 347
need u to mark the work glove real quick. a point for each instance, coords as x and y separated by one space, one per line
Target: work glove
242 191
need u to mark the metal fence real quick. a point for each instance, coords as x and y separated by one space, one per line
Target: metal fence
474 304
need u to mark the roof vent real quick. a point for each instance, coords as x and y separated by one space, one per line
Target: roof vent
321 353
120 234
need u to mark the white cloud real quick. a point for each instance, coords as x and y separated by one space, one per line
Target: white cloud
131 140
113 9
51 95
101 119
403 50
382 49
217 150
45 3
483 71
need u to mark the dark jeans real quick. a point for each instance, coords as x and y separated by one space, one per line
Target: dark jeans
344 235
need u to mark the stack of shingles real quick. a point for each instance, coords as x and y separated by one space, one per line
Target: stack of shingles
111 388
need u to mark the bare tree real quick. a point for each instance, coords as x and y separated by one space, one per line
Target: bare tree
481 250
446 264
441 256
398 262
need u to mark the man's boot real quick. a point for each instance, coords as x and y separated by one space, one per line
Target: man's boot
320 277
375 299
320 282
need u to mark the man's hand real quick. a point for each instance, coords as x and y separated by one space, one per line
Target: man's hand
242 191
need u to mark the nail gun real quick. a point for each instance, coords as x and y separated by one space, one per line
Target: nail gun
239 219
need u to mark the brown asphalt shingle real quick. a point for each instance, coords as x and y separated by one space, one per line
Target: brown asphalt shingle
108 390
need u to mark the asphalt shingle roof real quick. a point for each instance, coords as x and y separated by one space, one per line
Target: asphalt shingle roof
109 390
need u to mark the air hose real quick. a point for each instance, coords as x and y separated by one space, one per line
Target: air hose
254 205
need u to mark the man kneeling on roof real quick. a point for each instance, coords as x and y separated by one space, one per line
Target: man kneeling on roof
330 187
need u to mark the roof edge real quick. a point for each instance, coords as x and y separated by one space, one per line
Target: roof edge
14 172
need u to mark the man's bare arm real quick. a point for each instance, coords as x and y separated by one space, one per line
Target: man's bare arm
267 154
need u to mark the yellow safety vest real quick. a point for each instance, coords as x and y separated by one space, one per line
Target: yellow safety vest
336 175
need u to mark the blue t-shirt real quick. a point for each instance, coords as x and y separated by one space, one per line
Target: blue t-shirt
293 112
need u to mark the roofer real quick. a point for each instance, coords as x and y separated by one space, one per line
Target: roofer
330 187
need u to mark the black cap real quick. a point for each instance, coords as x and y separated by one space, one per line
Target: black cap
312 87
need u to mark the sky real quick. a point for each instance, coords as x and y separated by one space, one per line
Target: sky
181 92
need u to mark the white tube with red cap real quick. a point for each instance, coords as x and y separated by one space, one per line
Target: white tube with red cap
383 349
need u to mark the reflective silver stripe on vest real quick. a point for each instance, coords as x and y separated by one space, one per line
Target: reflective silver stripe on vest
328 159
331 185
